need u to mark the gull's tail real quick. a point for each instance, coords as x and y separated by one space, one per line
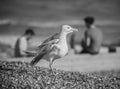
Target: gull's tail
36 59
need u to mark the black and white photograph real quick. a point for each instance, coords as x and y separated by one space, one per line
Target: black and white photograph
59 44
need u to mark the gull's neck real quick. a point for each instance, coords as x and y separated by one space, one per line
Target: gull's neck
63 37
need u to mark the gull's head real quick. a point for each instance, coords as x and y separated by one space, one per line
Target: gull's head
68 29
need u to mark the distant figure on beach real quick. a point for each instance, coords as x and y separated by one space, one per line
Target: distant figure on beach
22 44
93 37
91 42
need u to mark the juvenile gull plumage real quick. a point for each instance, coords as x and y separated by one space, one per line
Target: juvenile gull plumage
54 47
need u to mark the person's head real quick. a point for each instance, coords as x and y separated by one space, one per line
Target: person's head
29 33
89 20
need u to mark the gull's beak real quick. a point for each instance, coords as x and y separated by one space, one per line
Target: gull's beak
74 29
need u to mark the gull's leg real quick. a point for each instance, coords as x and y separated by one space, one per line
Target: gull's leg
50 64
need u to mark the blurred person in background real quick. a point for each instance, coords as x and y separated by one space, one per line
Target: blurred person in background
91 41
93 37
22 44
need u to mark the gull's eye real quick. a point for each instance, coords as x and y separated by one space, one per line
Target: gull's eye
68 27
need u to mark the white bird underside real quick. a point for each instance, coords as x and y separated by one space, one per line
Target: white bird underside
52 48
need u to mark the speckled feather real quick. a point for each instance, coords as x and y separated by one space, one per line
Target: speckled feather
46 47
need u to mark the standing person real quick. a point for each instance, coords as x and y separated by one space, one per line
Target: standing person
93 37
22 44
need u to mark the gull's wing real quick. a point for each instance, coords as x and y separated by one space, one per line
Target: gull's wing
55 36
45 48
51 40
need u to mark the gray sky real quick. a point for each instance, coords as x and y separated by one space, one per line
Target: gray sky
58 9
48 12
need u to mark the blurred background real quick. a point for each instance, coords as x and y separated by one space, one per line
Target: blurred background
46 16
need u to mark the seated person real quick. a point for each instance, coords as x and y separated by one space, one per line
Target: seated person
93 37
22 44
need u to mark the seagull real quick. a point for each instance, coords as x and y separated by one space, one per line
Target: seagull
54 47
